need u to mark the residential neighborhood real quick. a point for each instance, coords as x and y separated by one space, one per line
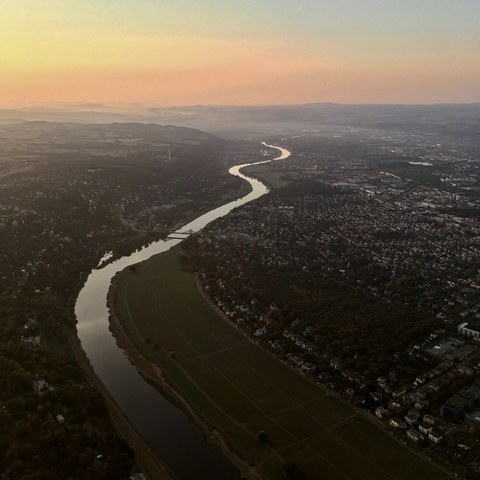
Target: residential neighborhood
366 280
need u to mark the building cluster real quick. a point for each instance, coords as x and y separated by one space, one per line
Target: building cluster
393 239
408 250
62 211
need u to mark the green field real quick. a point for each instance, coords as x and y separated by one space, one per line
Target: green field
267 174
240 390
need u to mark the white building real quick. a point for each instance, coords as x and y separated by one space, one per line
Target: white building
464 330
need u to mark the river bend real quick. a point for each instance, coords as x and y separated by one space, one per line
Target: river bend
168 431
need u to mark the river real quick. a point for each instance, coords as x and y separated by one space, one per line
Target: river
168 431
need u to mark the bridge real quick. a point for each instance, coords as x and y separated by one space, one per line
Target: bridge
180 235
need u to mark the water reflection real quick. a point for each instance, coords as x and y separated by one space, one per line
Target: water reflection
170 433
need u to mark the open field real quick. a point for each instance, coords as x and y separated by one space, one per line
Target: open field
266 173
238 389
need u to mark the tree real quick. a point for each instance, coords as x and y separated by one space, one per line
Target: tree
293 472
22 429
16 469
262 436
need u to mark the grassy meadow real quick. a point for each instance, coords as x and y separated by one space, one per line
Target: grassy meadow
240 390
266 173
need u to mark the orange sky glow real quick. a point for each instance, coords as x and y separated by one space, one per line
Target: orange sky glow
260 52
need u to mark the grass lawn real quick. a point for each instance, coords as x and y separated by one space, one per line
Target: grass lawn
241 390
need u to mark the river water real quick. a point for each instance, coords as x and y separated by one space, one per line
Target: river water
169 432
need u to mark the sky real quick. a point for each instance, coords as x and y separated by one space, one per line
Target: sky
237 52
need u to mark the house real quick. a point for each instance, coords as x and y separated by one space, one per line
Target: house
137 476
435 385
376 396
464 370
349 392
419 380
435 437
31 323
425 428
464 330
380 412
260 332
414 413
382 381
409 398
309 367
31 342
399 392
421 404
414 435
421 394
410 419
429 419
473 418
336 363
395 407
41 387
397 423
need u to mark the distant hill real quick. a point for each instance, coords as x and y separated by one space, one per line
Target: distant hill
284 119
257 122
179 147
108 131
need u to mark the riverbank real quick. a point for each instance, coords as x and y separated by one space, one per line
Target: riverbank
226 378
148 462
365 414
153 374
267 412
229 196
167 429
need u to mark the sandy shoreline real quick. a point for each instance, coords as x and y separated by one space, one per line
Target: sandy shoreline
153 375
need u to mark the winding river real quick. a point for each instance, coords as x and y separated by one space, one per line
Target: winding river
168 431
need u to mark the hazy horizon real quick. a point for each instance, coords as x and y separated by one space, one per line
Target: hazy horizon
121 107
